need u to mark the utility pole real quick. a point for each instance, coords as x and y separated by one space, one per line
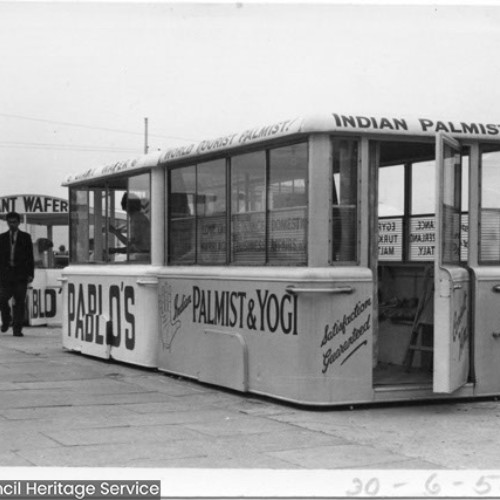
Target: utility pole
146 147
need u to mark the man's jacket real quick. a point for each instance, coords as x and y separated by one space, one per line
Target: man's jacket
23 255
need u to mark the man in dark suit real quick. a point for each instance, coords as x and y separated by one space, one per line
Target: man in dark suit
17 269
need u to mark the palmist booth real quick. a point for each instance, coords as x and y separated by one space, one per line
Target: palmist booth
324 260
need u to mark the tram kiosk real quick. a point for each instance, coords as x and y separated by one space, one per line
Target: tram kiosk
41 215
325 260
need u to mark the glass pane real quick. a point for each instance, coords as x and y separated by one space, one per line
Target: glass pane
287 242
423 200
211 211
391 191
344 200
489 237
117 222
464 219
422 223
451 216
391 207
248 195
137 205
181 234
79 226
422 237
97 225
390 238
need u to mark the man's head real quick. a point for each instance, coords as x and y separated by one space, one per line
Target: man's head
13 220
131 203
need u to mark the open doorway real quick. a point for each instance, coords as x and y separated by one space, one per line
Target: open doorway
404 263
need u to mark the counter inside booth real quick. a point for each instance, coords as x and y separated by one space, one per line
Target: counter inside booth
45 218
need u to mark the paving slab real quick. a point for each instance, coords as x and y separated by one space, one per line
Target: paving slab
159 434
339 456
12 459
286 440
163 383
238 425
61 411
17 439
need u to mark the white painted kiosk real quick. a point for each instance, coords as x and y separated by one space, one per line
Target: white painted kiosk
45 213
329 260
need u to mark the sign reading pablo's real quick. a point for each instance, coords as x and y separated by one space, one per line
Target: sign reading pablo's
102 314
26 204
259 310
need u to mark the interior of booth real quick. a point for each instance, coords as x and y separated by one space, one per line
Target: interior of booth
405 263
107 219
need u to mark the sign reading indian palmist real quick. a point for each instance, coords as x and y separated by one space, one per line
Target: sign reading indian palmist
32 203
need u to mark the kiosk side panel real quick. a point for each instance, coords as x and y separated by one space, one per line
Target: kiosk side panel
303 341
486 347
44 298
112 316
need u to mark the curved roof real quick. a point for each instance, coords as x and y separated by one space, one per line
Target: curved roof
328 122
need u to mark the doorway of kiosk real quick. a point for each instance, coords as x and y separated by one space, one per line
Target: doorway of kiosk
405 253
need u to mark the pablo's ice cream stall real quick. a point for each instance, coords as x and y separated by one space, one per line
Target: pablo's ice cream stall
46 219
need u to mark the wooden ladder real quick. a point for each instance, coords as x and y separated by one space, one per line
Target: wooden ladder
423 318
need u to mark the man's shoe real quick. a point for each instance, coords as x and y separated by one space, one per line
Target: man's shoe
18 334
5 327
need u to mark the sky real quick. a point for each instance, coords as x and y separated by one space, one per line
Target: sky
79 79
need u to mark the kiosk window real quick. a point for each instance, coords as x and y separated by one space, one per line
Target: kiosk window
182 211
288 205
344 200
97 225
489 237
79 225
266 192
211 211
391 191
111 222
423 200
391 208
137 205
197 214
248 208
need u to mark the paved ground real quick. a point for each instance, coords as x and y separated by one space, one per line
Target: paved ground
63 409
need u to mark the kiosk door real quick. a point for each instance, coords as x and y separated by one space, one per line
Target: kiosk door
451 278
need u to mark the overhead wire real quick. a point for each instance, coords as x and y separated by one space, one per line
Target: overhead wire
91 127
65 147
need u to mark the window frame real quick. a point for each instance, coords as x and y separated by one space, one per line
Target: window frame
105 186
229 204
484 148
